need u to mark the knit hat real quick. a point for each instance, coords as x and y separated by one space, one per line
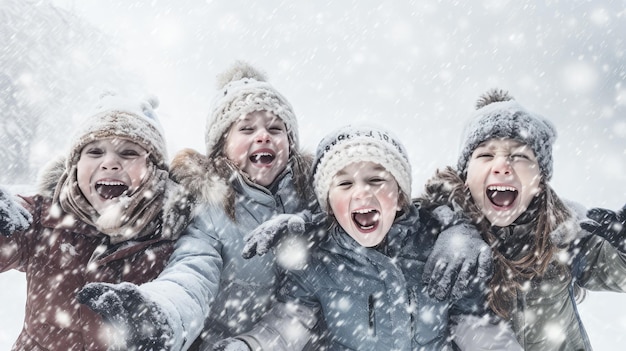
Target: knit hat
118 117
500 116
351 144
244 89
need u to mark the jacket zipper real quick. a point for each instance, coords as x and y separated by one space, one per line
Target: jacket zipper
372 316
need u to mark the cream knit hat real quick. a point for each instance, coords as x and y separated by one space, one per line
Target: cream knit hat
244 89
351 144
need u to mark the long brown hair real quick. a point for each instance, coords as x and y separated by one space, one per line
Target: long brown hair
300 163
448 188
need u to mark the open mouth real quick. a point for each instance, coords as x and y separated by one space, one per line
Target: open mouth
264 158
366 219
501 196
110 189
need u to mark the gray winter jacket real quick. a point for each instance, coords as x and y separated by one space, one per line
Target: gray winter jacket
546 317
207 282
363 298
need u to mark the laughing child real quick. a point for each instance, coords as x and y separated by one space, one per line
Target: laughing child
543 260
107 213
363 284
253 170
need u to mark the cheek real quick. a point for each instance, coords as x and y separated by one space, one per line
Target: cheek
83 175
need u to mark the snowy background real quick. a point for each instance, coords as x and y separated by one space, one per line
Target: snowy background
416 67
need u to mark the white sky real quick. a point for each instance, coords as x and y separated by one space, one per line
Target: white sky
415 67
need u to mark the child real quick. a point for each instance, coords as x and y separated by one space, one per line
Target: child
253 170
107 213
543 261
363 284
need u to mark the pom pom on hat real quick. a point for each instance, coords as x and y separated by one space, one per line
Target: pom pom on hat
120 117
351 144
498 115
244 89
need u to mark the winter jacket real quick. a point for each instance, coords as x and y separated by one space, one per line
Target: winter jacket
364 298
545 316
207 282
596 265
59 256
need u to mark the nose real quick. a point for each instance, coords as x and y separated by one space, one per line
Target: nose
110 161
502 165
362 191
262 136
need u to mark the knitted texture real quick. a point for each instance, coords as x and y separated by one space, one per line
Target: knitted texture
499 116
351 144
242 90
118 117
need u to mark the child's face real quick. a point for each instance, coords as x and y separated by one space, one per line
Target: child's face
363 197
503 176
259 146
108 168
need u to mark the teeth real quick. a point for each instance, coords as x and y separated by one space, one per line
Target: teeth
363 211
501 188
110 183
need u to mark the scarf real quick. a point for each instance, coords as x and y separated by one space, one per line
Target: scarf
133 217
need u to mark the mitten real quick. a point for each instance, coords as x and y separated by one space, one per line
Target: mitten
141 321
459 262
609 225
13 217
231 344
261 239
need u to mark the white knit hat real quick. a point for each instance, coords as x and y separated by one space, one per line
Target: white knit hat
244 89
499 116
124 118
351 144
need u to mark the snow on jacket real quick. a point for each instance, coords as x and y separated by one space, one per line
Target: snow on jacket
545 316
365 298
59 256
207 277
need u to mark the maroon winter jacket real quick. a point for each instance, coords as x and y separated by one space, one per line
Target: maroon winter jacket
55 253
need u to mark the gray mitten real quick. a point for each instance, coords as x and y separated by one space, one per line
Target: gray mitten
459 261
140 320
231 344
13 217
261 239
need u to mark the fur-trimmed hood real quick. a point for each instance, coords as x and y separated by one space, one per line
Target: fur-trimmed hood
201 177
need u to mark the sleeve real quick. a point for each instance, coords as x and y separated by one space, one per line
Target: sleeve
14 248
599 266
292 323
473 333
190 281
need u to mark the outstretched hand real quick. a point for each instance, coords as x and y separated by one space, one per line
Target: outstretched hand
13 217
263 237
609 225
460 260
141 322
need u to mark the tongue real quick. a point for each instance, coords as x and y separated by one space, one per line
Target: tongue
110 191
502 198
366 219
264 159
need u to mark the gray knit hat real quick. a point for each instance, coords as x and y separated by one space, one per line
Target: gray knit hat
351 144
124 118
244 89
498 115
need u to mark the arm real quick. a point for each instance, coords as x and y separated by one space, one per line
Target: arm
600 262
13 216
460 260
286 327
179 299
473 333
